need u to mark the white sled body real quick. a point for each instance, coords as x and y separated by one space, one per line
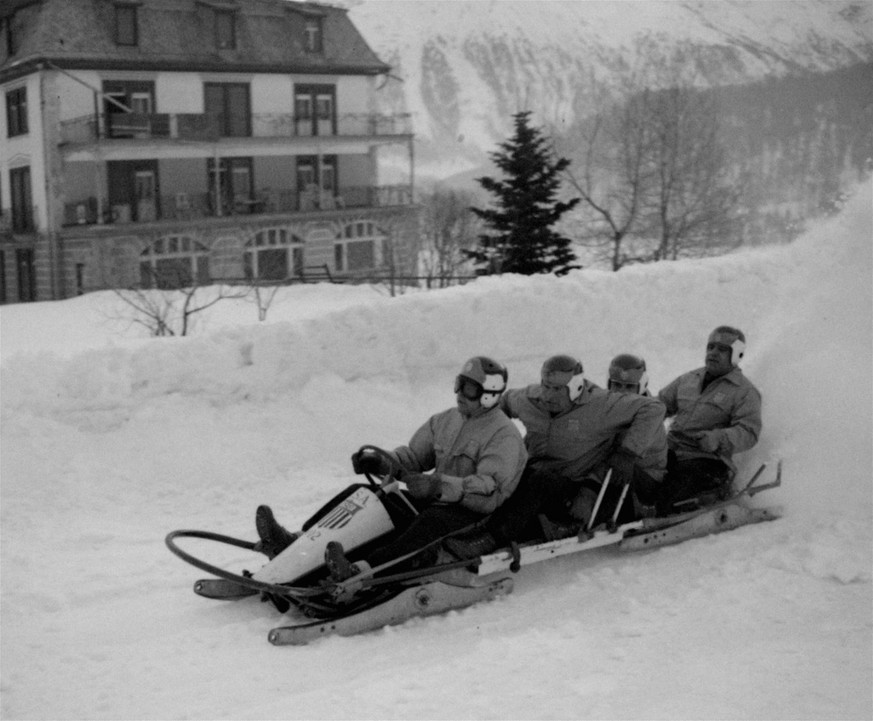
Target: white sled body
356 520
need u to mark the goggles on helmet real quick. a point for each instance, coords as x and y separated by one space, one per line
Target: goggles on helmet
471 390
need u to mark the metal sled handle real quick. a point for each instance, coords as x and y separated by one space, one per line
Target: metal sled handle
394 469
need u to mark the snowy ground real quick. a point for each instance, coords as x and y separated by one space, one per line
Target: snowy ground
109 442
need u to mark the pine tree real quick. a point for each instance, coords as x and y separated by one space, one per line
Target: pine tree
521 239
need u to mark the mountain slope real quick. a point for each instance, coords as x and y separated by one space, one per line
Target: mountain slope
467 66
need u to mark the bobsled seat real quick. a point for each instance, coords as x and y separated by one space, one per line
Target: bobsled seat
694 483
471 544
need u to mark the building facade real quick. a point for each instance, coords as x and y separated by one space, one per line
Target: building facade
166 143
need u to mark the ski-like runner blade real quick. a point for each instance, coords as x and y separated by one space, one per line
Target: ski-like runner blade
221 589
723 517
424 600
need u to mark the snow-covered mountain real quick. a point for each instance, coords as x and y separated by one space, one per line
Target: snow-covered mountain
465 66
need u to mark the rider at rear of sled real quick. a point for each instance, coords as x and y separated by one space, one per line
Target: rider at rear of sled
627 374
575 432
716 412
476 455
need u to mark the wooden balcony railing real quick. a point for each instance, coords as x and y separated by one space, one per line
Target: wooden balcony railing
188 126
192 206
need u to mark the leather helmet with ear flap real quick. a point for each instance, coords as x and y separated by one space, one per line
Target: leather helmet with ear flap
488 375
566 364
731 337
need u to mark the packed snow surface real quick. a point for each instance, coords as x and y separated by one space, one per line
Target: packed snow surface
110 440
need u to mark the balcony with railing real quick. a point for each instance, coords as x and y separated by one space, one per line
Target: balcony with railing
205 205
205 126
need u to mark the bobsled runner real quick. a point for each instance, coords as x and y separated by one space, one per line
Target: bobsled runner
365 516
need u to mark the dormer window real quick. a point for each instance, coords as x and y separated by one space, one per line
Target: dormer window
313 35
126 25
225 29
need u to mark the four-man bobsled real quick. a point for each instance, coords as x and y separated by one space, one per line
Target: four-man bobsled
364 516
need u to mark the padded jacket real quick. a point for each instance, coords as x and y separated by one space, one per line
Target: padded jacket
729 407
577 443
480 459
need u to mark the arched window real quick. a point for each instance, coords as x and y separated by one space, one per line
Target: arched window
274 254
358 246
174 261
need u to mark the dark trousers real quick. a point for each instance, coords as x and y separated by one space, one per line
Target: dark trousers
551 494
642 486
433 523
537 492
706 478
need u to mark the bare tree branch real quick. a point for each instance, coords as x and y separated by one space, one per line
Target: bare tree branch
656 183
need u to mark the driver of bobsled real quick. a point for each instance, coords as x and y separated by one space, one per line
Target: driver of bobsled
458 468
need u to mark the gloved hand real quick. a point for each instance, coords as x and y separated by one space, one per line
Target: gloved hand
622 463
708 441
423 486
368 462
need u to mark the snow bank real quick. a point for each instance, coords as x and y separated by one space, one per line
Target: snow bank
110 440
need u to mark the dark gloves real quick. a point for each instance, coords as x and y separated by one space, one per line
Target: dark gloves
709 441
369 462
423 486
623 463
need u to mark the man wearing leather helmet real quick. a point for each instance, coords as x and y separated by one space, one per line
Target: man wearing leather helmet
716 412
